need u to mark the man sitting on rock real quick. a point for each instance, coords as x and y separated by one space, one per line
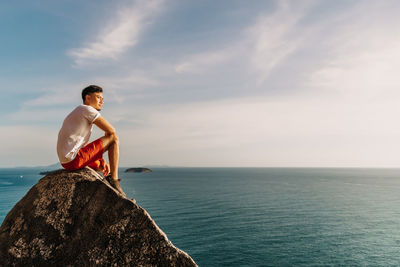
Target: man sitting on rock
73 147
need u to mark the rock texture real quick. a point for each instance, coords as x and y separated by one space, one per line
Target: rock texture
75 218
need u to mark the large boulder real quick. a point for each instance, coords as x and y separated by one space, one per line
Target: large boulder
75 218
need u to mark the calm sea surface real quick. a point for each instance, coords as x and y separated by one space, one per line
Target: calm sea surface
263 216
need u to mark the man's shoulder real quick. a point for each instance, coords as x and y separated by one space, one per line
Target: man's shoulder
83 107
79 108
88 112
86 108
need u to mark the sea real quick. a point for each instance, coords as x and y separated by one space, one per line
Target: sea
262 216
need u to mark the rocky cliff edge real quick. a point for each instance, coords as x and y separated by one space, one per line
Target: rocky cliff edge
75 218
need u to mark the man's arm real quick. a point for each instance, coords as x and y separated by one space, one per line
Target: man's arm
103 124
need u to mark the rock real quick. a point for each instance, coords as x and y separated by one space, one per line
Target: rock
75 218
138 170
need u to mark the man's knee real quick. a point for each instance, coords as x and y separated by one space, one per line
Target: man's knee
115 139
110 139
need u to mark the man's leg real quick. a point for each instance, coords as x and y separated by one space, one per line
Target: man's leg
90 155
99 165
111 144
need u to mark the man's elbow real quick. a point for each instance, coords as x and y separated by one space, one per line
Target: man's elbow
111 131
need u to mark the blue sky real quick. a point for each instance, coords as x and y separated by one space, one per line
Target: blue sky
207 83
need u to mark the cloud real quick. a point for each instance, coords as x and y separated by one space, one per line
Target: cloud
123 87
119 34
274 37
52 99
258 49
56 94
252 131
45 116
364 55
202 61
296 131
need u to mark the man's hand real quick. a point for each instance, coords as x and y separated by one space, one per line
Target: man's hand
106 169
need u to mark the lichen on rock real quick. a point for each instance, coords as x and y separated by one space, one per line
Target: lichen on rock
76 218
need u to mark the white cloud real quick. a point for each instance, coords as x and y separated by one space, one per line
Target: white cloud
56 94
288 131
203 61
364 55
124 86
132 81
41 116
296 131
119 34
276 36
258 49
52 99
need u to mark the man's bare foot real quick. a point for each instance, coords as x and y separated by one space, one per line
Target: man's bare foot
115 183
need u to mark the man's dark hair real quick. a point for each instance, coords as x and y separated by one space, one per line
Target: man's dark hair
91 89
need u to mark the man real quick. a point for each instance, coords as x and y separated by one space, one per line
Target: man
73 147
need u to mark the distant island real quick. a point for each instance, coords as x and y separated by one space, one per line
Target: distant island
138 170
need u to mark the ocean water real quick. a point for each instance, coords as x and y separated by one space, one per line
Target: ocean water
263 216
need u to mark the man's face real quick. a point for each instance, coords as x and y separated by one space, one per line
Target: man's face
95 100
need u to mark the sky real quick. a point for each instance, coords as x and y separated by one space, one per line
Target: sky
206 83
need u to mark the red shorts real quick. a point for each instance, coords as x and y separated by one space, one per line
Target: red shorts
90 155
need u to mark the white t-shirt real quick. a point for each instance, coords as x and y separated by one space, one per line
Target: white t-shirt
75 132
